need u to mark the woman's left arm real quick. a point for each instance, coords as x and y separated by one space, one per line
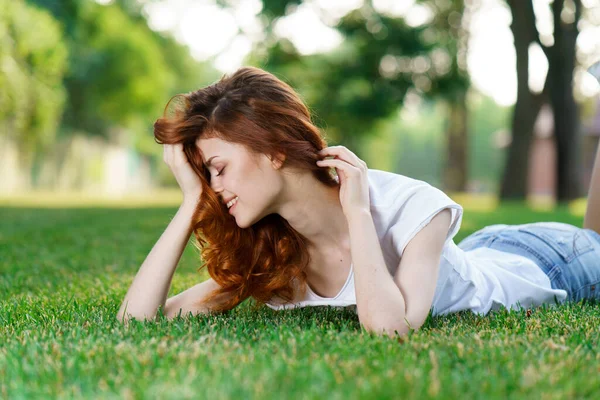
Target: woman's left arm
386 304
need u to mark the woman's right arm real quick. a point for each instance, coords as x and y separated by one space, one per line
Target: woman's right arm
151 284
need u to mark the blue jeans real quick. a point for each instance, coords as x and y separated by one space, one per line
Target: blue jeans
568 255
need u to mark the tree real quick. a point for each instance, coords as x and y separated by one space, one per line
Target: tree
116 69
561 60
381 59
31 91
121 73
451 20
528 105
558 91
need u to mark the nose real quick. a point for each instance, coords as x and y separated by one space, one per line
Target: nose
216 186
214 181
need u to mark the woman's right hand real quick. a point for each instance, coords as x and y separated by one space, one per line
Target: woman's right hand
186 177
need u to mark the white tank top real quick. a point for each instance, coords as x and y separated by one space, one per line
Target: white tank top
345 298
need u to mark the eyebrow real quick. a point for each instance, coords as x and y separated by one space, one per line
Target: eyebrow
209 161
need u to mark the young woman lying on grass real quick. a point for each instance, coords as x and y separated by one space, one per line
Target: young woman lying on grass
273 221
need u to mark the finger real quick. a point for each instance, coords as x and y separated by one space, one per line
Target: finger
168 153
341 164
181 157
172 153
343 153
176 150
349 158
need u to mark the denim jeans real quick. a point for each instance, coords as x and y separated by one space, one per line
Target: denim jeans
568 255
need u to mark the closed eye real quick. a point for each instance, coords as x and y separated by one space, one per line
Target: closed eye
220 172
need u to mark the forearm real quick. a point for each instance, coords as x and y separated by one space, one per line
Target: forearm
592 214
151 284
379 302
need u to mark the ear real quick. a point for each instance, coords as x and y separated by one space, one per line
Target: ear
278 160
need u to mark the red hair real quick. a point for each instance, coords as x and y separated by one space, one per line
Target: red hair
257 110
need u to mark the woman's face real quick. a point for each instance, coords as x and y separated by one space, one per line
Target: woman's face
235 173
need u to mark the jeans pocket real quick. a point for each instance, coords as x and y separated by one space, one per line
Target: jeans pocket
567 240
589 291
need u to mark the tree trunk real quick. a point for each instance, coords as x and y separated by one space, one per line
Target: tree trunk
566 115
457 145
527 107
456 168
514 180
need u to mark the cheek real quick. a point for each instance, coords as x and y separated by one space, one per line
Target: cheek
252 187
238 183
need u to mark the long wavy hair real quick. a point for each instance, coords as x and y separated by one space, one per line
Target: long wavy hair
253 108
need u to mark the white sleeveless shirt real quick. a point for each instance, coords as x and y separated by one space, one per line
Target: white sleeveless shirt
479 280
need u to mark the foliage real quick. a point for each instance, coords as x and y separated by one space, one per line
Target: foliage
367 78
121 73
411 142
32 64
112 75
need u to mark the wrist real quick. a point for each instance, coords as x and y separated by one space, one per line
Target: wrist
190 202
358 214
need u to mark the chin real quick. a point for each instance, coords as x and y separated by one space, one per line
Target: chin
247 222
241 222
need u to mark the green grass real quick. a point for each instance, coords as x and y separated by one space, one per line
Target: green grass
64 272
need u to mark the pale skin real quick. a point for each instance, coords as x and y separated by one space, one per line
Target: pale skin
592 211
336 220
263 188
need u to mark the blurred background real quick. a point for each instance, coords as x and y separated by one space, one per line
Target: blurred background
477 97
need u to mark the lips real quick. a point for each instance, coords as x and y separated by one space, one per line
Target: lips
228 200
233 206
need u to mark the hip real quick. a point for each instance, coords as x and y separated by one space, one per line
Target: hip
568 255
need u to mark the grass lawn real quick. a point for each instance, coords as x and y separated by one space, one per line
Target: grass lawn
65 271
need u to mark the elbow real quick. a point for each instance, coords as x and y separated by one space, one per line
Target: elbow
388 329
125 318
389 326
124 315
122 318
410 321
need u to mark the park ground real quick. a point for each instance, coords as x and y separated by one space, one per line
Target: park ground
66 266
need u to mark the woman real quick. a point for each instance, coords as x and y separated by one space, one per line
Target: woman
273 221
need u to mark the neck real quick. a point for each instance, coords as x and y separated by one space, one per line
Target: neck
314 210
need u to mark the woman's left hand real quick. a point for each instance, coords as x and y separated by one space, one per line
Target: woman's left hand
352 173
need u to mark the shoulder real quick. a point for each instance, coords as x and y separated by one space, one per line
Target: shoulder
388 188
392 193
402 206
